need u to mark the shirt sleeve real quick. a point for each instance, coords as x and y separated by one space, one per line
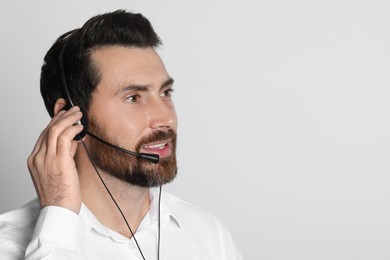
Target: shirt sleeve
58 235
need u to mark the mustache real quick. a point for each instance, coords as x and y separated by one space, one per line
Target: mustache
156 136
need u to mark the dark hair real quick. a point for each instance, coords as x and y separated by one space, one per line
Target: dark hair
115 28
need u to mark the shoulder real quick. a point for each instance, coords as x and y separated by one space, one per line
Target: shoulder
187 212
204 226
194 218
17 227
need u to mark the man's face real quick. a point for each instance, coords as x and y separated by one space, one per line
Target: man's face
132 108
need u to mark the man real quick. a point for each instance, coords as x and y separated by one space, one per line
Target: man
108 94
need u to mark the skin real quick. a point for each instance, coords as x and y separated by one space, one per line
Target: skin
60 169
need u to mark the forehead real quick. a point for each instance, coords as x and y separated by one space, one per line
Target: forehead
119 66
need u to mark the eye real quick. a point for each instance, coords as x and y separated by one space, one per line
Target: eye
167 93
133 98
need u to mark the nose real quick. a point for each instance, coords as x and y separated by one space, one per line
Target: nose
162 115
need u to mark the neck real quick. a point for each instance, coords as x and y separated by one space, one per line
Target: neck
134 201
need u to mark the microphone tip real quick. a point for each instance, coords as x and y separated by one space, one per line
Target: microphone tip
154 158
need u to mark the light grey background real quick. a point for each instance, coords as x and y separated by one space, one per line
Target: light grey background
283 106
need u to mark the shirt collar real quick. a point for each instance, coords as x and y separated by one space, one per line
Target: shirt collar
165 209
148 224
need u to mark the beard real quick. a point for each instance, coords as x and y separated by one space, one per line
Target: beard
129 168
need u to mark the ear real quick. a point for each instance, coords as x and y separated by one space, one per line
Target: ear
59 105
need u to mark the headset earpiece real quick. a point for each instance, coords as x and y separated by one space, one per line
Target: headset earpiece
84 122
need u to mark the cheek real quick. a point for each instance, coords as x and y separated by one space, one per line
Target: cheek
131 127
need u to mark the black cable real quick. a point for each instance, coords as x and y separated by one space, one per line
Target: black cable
159 224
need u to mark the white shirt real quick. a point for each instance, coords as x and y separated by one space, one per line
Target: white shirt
187 232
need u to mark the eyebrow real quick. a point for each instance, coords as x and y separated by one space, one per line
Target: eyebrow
140 87
168 82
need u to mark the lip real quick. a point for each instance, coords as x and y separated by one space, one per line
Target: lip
161 148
